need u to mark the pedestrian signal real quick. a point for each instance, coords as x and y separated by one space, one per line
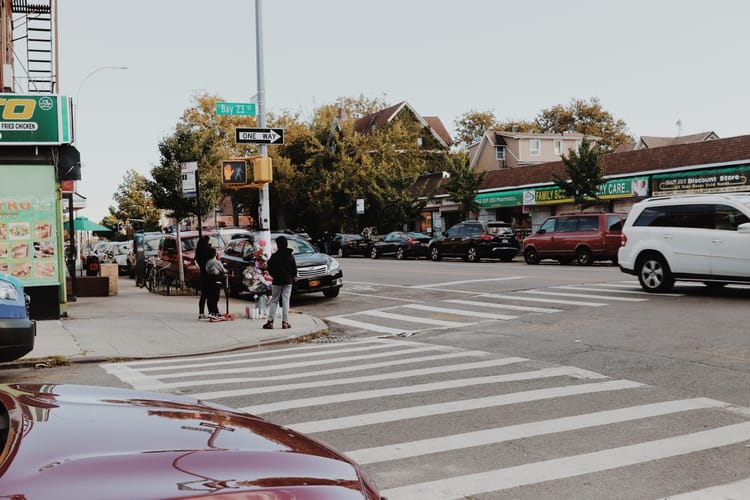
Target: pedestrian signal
262 170
234 172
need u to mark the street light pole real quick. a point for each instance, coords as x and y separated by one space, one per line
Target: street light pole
264 211
97 70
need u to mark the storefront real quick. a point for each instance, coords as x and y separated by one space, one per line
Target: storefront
714 180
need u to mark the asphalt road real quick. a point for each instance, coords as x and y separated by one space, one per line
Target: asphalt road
492 380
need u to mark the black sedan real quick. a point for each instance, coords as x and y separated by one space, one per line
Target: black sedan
316 272
344 245
402 245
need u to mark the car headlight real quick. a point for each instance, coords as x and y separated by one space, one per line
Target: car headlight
334 266
8 291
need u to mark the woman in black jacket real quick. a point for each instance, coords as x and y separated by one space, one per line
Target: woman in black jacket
283 269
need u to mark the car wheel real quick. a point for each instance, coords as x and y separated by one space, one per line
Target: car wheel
374 253
435 254
400 255
654 274
531 256
331 293
583 256
472 255
340 253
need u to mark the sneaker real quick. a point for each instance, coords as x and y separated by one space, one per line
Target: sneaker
202 316
268 325
285 325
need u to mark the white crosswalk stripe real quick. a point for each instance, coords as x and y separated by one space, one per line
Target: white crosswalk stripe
420 418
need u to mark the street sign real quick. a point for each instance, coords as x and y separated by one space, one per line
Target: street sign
235 108
259 135
189 184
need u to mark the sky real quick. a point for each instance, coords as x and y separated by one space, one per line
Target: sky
650 63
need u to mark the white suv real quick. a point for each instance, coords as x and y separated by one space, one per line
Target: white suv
689 237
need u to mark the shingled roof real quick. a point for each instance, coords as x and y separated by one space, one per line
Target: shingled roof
718 151
649 142
378 120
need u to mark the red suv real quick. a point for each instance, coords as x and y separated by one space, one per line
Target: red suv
167 257
584 237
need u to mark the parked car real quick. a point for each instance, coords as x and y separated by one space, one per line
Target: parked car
474 240
689 237
150 251
167 254
228 234
117 253
402 245
85 442
17 331
345 244
316 272
584 237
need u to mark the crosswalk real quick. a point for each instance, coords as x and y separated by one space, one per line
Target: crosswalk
410 318
428 421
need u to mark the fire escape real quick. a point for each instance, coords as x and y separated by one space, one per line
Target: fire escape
34 46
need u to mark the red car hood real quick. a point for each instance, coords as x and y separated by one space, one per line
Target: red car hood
67 441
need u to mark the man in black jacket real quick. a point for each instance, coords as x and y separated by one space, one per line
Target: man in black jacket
283 269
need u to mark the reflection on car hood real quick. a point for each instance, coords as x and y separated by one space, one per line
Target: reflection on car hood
312 259
70 441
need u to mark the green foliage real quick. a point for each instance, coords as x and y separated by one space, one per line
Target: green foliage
521 126
463 187
587 118
134 202
584 174
471 126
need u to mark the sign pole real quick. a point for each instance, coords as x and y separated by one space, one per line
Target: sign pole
264 211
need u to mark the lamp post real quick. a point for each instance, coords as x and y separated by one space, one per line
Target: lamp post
97 70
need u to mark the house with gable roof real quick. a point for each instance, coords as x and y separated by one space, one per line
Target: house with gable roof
498 149
650 142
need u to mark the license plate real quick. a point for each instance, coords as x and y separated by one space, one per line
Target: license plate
505 241
314 283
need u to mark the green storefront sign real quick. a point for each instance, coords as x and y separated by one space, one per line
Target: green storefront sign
35 119
718 180
612 189
500 199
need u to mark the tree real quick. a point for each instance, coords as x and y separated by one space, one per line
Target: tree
521 126
471 126
463 187
585 174
587 118
134 202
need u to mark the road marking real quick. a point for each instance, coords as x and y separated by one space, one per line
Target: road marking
461 406
634 292
343 320
318 373
582 296
357 380
526 430
459 312
503 306
559 371
132 377
537 299
450 283
402 317
737 489
301 364
573 466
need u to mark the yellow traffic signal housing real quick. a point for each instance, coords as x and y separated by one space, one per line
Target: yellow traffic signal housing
262 169
233 172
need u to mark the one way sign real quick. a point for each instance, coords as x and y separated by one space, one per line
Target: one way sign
259 135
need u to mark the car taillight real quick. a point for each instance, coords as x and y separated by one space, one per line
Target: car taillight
411 242
623 239
485 237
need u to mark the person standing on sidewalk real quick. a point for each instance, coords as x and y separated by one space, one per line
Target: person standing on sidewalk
201 258
283 269
216 274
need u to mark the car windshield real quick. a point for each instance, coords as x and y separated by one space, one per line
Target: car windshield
152 243
121 249
190 243
417 235
500 230
298 246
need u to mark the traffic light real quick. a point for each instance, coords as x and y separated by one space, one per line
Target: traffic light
233 172
262 169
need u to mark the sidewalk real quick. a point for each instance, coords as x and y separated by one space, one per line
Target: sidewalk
136 324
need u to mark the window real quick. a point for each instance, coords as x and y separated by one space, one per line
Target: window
500 152
692 216
566 225
548 226
588 223
558 147
614 222
535 147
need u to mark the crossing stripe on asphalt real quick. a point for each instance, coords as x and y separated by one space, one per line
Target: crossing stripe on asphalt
737 489
320 373
503 306
527 430
582 296
600 290
356 380
573 466
402 317
342 320
459 406
538 299
451 283
458 312
300 364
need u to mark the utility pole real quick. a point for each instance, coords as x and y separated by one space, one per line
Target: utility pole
264 211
